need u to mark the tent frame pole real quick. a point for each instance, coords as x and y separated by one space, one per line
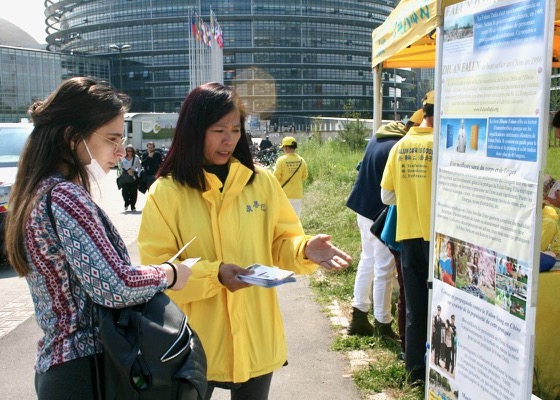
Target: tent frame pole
377 97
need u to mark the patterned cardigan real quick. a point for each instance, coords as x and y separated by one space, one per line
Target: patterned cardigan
82 263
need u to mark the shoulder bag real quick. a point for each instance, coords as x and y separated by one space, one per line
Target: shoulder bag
389 233
379 222
124 179
149 350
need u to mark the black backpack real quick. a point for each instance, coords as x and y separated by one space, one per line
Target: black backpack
149 350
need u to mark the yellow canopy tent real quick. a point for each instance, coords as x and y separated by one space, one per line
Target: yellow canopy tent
407 38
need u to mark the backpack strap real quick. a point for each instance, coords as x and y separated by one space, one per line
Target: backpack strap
49 209
98 372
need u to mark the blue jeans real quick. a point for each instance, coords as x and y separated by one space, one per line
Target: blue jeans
254 389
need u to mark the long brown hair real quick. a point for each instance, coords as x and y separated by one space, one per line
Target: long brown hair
204 106
67 117
130 147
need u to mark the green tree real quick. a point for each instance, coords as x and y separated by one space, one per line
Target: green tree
354 131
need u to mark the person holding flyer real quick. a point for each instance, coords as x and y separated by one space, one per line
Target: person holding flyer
209 187
411 192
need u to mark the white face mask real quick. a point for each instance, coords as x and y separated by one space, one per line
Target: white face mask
94 170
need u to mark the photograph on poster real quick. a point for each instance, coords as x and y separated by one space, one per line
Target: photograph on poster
458 28
473 267
441 388
476 272
511 286
446 261
463 135
443 353
494 278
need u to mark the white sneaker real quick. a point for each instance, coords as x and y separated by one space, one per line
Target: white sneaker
126 209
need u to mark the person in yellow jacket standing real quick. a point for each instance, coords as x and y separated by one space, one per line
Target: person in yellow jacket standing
291 171
210 189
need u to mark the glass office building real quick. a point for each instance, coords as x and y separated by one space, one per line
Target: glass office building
28 74
286 58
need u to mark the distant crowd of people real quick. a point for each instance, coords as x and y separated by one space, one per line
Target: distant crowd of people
142 170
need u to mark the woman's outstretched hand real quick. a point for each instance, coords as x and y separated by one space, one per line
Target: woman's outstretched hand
321 251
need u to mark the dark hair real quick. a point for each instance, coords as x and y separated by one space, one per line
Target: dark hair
428 110
556 120
130 147
204 106
67 117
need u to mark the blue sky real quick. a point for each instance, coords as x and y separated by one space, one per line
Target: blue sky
28 15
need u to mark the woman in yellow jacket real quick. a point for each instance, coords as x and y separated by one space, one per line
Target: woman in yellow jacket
210 189
291 171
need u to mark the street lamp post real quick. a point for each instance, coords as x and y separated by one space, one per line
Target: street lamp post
120 48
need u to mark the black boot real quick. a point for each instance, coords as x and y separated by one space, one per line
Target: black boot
384 330
360 324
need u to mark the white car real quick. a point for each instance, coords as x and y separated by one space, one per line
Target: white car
12 139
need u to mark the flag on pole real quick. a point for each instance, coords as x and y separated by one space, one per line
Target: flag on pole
194 29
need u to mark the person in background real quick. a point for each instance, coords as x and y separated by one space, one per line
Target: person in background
453 343
69 252
265 143
291 170
415 119
550 233
412 195
437 340
447 264
377 263
209 189
130 164
151 160
555 201
448 343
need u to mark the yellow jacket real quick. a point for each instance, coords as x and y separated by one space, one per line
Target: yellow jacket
286 166
408 173
550 234
242 332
